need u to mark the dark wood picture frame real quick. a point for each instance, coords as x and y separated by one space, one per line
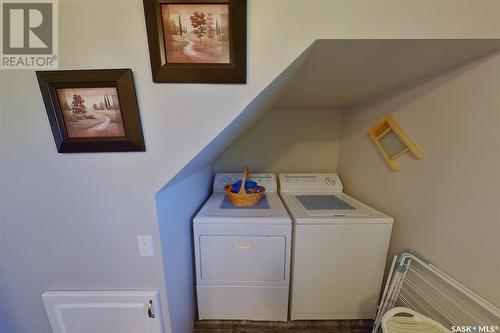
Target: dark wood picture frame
163 72
120 79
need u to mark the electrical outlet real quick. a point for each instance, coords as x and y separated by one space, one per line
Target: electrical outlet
145 244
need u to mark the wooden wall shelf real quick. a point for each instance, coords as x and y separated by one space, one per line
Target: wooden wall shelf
392 141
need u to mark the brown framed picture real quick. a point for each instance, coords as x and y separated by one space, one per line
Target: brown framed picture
92 110
197 41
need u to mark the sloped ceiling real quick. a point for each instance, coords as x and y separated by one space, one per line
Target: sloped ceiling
253 112
336 74
340 73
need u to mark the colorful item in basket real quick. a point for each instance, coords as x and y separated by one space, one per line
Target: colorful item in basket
251 195
250 187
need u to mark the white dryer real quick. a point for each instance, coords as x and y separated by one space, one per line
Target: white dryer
242 255
339 249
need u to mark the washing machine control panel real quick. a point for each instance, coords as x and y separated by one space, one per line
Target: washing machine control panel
310 182
330 181
267 180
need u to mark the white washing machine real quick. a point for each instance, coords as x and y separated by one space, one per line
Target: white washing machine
339 249
242 255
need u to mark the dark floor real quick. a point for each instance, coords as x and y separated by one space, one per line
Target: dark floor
299 326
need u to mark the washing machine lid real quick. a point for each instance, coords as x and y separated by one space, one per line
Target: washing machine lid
218 209
327 210
330 205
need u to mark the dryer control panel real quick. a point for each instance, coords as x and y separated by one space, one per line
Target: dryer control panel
310 182
268 180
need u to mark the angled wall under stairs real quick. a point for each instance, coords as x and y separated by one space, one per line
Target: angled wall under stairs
293 120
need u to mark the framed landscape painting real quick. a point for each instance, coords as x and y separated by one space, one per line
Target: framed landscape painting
197 41
92 110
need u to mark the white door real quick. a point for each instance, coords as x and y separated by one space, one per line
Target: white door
103 311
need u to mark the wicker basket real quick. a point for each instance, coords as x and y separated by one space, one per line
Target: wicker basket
242 198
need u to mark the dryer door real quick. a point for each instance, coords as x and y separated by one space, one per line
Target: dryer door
242 258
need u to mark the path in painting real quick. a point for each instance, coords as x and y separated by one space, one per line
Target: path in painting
101 126
190 49
191 52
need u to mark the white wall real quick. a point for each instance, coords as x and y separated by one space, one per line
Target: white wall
177 206
298 140
249 116
70 221
446 206
3 304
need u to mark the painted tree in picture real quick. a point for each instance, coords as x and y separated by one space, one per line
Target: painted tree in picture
196 33
180 26
210 27
77 104
91 112
199 23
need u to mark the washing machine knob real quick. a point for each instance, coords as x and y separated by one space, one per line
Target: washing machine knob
329 181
